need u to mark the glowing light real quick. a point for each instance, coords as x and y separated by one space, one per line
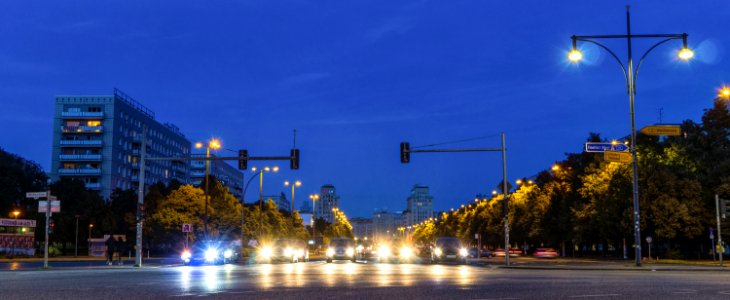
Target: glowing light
267 252
575 55
555 167
198 145
724 92
685 54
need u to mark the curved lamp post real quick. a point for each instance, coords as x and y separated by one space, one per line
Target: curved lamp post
630 74
215 145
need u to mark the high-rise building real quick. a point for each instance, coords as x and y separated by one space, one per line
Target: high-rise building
362 228
419 205
328 200
226 174
98 140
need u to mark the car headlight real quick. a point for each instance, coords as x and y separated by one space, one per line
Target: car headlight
406 252
288 252
330 251
185 255
300 253
267 252
350 252
383 252
227 254
463 252
360 248
438 251
211 254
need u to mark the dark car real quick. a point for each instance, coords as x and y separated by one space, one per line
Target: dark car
448 249
208 252
341 249
396 251
284 250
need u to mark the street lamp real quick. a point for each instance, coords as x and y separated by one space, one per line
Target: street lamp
724 92
215 145
88 241
630 74
314 198
16 213
261 192
293 185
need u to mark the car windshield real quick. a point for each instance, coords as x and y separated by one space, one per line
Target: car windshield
341 243
448 243
282 243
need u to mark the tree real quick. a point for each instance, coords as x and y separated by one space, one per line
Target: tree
17 177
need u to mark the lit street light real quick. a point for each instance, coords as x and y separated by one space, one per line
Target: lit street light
293 185
724 92
215 145
630 74
314 198
16 213
261 192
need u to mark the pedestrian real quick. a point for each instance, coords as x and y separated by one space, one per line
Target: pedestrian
110 246
121 248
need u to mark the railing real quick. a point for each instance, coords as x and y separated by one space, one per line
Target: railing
80 156
79 171
82 128
82 114
82 142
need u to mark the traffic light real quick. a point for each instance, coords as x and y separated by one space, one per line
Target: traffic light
723 208
294 162
405 152
242 159
51 225
142 212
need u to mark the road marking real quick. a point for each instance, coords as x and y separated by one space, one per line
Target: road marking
596 295
724 292
494 299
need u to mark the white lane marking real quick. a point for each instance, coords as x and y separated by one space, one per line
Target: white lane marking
596 295
724 292
685 291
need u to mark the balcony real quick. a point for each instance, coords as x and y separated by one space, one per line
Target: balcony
82 129
135 165
135 177
135 152
80 171
82 114
86 143
197 174
80 157
93 185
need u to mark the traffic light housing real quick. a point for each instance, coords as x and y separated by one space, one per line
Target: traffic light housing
294 162
242 159
142 212
51 225
723 208
405 152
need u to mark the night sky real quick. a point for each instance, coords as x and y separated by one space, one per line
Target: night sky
355 78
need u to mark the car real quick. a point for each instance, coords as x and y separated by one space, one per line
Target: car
340 249
545 253
448 249
289 250
208 252
396 251
512 252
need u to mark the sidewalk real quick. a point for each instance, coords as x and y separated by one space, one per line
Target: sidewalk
604 264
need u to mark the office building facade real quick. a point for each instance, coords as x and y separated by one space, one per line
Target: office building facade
419 205
226 174
362 228
98 140
328 200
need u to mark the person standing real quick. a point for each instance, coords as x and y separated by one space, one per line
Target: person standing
110 246
121 249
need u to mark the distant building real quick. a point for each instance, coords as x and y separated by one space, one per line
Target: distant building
281 202
419 205
226 174
385 225
362 228
98 140
328 199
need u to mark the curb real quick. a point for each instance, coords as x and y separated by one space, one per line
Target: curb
644 269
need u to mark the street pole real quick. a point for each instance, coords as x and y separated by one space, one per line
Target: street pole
261 202
630 73
207 170
48 215
140 199
505 190
76 247
719 229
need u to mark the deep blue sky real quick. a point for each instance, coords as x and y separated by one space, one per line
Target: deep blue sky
355 78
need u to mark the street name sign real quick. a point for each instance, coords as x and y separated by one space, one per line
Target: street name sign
602 147
187 228
672 130
36 195
617 156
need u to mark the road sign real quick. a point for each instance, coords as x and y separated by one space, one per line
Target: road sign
649 239
602 147
55 206
617 156
500 186
36 195
187 228
673 130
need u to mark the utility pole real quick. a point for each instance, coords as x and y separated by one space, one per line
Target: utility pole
719 229
140 198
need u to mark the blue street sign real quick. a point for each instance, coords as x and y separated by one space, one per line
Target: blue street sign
603 147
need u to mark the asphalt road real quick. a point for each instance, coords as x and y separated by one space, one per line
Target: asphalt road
345 280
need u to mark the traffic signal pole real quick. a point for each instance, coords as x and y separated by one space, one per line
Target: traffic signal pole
405 157
243 162
719 229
